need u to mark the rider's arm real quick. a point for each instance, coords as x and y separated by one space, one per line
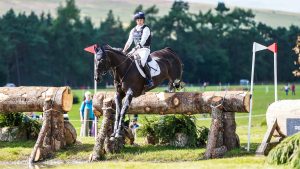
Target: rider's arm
129 41
146 34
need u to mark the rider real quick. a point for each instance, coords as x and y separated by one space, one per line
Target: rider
141 36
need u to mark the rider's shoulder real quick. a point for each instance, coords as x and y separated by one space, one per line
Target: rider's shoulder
146 27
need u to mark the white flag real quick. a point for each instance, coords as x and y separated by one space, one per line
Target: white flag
258 47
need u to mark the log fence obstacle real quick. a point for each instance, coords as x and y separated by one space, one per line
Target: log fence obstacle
53 102
222 105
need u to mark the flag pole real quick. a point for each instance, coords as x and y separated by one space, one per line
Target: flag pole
275 75
95 90
251 98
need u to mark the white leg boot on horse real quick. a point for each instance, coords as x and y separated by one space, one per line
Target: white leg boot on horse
128 99
118 102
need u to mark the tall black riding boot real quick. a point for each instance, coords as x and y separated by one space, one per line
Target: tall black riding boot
148 75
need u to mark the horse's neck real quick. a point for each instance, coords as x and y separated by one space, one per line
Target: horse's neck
119 64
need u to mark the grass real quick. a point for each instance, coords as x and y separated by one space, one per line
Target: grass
148 156
97 9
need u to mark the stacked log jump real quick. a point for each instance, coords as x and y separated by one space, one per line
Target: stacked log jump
222 105
53 102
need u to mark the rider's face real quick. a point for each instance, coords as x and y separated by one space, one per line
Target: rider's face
139 22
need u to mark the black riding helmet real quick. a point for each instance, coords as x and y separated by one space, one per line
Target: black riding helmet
139 15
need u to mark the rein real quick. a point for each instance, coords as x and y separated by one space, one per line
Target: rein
115 67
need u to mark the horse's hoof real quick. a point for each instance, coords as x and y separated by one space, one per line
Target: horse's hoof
112 139
118 135
113 135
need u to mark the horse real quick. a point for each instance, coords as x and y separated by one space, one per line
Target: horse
129 82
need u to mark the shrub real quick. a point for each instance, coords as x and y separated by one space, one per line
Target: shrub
25 124
287 152
75 99
165 128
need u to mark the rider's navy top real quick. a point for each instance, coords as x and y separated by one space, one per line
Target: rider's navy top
140 35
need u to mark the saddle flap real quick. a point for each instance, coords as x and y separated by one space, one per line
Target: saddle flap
154 68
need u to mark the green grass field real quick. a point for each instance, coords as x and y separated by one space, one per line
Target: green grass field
148 156
97 9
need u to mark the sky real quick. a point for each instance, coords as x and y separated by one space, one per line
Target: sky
281 5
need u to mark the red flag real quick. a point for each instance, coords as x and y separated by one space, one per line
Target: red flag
91 49
273 47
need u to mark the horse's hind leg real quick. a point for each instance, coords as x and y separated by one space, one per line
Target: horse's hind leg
125 107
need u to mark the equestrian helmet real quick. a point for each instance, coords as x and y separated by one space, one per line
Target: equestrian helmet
139 15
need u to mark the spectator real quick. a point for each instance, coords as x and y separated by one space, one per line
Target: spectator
87 109
286 89
32 115
134 126
293 88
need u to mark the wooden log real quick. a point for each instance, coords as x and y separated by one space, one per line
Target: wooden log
180 102
98 151
57 130
231 139
25 99
264 147
215 146
70 133
37 152
281 111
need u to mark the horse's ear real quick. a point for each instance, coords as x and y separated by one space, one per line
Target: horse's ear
96 48
102 49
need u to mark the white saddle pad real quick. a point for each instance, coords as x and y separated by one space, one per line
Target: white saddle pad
155 69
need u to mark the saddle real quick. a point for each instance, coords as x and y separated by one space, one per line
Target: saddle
154 67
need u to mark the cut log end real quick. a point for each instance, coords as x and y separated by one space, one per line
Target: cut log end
247 102
67 99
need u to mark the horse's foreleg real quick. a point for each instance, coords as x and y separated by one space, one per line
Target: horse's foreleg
118 102
125 107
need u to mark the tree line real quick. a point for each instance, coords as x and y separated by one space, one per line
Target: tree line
215 46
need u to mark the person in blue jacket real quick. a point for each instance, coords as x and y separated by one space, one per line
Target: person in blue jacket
87 104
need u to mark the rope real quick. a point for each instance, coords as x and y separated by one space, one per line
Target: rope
221 104
51 109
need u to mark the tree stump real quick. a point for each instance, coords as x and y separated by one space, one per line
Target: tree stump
98 151
215 136
231 139
52 134
222 136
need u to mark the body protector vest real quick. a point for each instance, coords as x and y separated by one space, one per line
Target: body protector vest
137 36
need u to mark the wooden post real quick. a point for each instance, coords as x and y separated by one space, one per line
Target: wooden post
266 146
52 135
231 139
98 151
38 151
57 130
215 146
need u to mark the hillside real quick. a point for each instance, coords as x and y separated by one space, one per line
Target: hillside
98 9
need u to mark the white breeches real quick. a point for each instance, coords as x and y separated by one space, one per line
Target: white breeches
143 54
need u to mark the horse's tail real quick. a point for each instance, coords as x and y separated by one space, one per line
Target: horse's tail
178 84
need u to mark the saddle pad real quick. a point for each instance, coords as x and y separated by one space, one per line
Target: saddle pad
155 69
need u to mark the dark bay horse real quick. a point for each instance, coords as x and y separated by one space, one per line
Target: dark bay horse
129 82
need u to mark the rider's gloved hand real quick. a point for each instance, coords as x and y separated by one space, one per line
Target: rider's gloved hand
138 46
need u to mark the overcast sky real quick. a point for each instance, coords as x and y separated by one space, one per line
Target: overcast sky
281 5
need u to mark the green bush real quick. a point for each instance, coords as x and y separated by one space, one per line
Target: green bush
166 127
287 152
11 119
31 126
